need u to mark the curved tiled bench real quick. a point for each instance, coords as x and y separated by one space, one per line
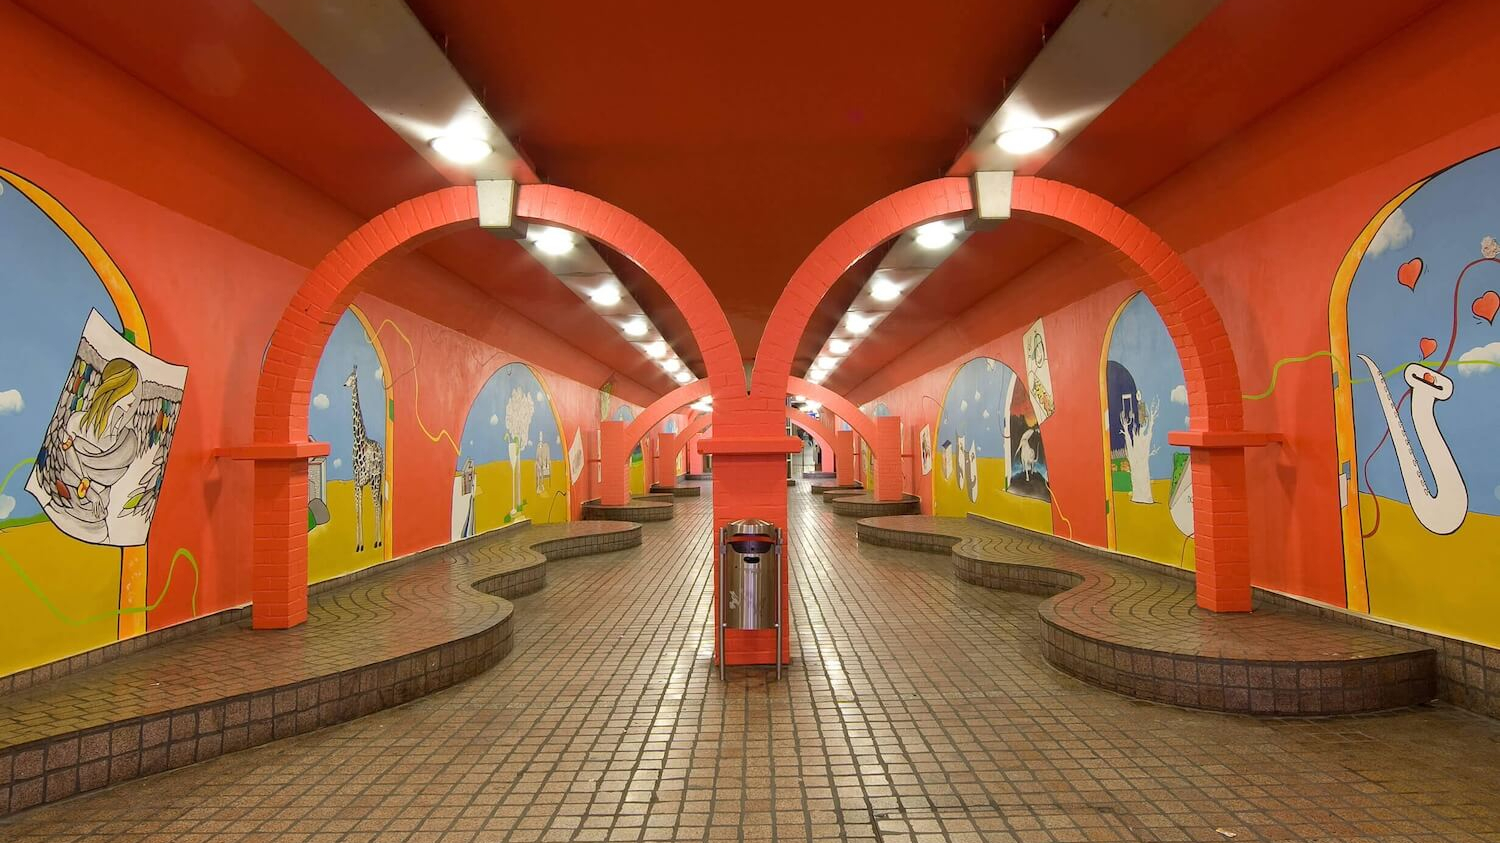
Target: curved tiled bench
825 490
373 640
819 475
653 507
678 491
864 505
1141 633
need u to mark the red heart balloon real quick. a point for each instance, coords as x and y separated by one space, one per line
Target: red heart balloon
1487 305
1409 272
1428 346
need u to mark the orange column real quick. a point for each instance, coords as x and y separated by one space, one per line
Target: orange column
666 460
887 448
614 488
1221 522
846 466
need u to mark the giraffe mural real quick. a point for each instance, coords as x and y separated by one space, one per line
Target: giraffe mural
352 410
369 466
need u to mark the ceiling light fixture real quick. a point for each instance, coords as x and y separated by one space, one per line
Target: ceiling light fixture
551 241
812 406
671 365
817 376
885 290
839 346
461 149
826 363
934 235
1025 139
657 349
636 327
857 324
683 377
606 296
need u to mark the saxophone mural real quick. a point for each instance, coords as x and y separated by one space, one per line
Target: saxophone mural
1417 391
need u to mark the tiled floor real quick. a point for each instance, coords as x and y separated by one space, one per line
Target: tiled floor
919 709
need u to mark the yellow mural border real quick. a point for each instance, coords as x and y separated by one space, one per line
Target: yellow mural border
556 419
133 560
1109 481
1356 585
387 512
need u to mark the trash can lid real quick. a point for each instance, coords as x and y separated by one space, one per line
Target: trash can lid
750 527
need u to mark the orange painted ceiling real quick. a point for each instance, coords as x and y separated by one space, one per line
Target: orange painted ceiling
743 132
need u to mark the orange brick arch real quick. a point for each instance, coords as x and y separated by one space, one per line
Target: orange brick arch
797 417
279 556
1220 505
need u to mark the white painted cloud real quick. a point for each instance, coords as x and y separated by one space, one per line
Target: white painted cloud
1394 233
1497 495
986 413
380 374
320 401
337 462
1179 394
541 397
963 406
11 403
1479 360
494 419
8 505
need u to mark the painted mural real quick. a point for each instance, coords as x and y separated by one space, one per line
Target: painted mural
990 456
1417 395
349 491
511 464
1144 395
84 465
626 414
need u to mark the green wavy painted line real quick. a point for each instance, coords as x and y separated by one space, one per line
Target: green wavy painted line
182 553
1276 370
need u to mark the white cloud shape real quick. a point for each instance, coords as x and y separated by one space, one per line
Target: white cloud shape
963 405
494 419
11 403
1483 358
1179 394
320 401
337 462
8 505
1497 495
541 397
380 374
1394 233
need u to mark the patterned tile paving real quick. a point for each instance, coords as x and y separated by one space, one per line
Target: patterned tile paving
1139 631
919 709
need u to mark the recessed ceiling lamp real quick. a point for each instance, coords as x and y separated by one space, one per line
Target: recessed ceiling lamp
1025 139
701 406
606 296
551 241
886 290
461 149
857 324
934 235
812 406
636 327
817 376
657 349
683 377
826 363
839 346
671 365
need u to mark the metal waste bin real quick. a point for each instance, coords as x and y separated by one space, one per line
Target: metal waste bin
749 581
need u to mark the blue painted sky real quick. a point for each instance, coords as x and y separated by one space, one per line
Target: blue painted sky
48 289
1141 344
330 414
1443 223
975 407
484 430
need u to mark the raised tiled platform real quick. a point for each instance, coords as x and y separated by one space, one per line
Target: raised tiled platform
1140 633
864 505
372 641
678 491
690 476
824 489
819 475
641 508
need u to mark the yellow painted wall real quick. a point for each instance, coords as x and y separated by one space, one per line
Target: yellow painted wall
80 593
1146 530
994 502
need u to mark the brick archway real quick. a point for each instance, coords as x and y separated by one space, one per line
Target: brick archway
280 447
1217 437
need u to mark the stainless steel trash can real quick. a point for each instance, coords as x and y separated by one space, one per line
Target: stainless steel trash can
750 580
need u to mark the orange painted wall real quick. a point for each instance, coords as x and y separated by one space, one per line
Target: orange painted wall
214 239
1264 221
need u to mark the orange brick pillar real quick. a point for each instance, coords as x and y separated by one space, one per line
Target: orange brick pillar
278 569
614 488
666 460
1221 529
887 454
846 465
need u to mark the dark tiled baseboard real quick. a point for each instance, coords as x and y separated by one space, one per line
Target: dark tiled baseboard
678 491
863 505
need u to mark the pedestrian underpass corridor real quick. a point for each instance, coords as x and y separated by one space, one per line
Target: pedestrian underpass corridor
917 708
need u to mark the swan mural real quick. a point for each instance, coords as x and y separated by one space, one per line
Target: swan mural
992 450
1416 393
